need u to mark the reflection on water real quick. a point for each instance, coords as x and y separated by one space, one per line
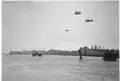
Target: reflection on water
58 68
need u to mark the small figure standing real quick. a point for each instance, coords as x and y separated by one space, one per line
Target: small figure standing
80 51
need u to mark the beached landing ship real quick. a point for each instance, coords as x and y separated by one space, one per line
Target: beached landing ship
110 55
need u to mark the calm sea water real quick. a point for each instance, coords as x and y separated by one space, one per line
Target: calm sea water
58 68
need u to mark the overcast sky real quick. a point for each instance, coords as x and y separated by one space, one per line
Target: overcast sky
38 25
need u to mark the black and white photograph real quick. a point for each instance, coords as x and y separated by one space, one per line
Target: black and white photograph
60 40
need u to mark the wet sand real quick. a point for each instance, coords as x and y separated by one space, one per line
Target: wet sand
58 68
